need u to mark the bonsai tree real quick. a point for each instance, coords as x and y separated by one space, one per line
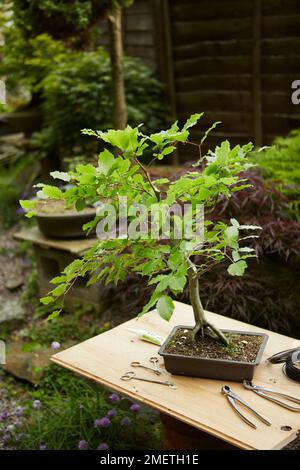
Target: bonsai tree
167 260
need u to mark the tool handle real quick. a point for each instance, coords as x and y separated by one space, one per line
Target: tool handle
279 394
231 401
278 402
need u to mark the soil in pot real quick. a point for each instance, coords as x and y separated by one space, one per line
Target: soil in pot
242 347
58 207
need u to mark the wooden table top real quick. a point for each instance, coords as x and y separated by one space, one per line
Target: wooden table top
75 246
196 401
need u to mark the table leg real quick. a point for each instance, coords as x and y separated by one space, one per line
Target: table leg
181 436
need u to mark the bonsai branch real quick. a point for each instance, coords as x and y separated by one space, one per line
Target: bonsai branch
146 173
201 321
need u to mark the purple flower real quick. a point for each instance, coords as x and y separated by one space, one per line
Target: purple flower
103 446
5 438
112 413
114 397
126 422
18 423
36 405
20 210
135 408
102 423
19 410
55 345
42 446
3 415
82 445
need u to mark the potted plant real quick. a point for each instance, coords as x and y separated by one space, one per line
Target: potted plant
164 253
56 219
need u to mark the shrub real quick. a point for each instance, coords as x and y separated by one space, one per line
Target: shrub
282 164
60 18
77 94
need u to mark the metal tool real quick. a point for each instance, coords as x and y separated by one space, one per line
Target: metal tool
132 376
233 398
282 356
153 360
264 392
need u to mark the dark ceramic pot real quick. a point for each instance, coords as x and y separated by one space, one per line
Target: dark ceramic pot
64 225
221 369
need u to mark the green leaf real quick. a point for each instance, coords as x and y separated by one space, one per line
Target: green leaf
234 222
58 280
105 162
73 268
46 300
215 124
60 175
192 121
235 256
175 259
59 290
28 205
231 236
177 283
80 205
52 192
165 307
54 315
237 269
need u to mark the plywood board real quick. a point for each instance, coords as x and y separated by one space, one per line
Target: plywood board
196 401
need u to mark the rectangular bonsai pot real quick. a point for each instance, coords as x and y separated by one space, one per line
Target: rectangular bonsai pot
221 369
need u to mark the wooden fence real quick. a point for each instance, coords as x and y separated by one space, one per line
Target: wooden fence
233 59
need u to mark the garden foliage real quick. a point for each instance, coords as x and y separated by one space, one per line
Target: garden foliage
281 163
77 94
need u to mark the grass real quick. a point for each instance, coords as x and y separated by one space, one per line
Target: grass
68 409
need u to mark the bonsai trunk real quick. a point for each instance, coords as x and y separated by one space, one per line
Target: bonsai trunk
200 319
118 89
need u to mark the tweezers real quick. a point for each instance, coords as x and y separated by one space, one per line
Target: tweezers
232 398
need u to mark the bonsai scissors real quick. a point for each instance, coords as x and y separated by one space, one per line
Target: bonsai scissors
233 398
132 376
152 360
267 393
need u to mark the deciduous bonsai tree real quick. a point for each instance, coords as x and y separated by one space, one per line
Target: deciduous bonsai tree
167 259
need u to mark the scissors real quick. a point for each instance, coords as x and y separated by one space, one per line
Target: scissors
233 398
132 376
153 360
265 393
